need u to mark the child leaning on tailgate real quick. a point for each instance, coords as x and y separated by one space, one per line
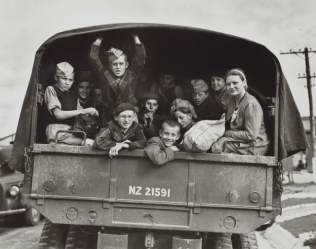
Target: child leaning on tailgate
122 132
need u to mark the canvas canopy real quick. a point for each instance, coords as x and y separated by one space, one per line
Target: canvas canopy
182 50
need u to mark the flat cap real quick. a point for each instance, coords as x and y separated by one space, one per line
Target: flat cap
123 107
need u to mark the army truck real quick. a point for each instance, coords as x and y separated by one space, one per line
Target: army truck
199 200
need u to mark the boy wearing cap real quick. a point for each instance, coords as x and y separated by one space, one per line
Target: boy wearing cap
147 117
122 132
167 90
117 82
161 149
62 104
206 107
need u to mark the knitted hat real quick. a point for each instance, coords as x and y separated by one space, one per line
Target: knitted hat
64 69
113 54
83 76
179 104
123 107
149 95
199 86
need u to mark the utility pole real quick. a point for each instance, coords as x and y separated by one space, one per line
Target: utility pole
310 94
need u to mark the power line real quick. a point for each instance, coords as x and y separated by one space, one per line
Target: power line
302 36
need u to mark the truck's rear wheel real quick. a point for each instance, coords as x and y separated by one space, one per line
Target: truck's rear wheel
76 239
32 217
245 241
219 241
53 236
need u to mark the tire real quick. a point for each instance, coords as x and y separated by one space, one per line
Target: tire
32 217
53 236
245 241
76 239
219 241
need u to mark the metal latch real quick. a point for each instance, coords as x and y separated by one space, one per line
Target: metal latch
149 240
264 210
40 94
271 106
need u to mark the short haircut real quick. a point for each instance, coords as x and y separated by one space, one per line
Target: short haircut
170 123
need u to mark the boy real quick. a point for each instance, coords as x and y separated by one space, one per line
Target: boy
84 88
206 107
118 82
161 149
99 105
122 132
147 117
220 92
167 90
62 102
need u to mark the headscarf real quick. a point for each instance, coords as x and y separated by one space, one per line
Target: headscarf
179 104
237 71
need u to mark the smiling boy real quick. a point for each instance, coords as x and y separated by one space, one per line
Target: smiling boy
84 84
122 132
118 82
161 149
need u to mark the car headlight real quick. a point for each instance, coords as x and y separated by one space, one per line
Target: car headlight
14 190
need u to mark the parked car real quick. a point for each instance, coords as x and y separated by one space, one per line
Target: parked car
11 201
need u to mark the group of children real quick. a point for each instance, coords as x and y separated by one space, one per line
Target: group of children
127 122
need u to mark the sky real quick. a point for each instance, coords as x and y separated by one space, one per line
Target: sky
278 25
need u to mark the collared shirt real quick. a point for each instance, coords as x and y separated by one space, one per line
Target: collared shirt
122 91
112 134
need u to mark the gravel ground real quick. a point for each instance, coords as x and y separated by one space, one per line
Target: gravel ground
303 183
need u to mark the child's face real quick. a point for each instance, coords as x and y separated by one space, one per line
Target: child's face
125 119
183 119
218 83
97 94
166 80
151 105
65 82
169 135
143 76
84 89
198 98
118 67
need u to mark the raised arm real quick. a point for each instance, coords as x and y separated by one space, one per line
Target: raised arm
94 59
140 54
